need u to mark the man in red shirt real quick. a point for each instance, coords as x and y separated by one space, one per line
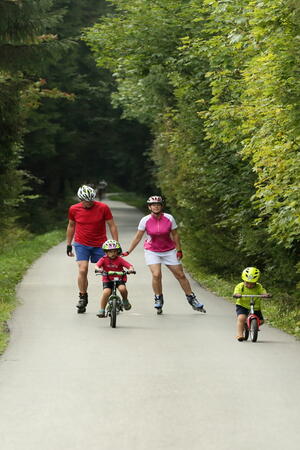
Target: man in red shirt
87 225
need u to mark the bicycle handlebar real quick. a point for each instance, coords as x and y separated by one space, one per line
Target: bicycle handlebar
110 272
254 295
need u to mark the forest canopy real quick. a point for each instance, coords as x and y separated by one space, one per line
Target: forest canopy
218 84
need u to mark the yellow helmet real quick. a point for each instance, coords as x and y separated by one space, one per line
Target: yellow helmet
250 274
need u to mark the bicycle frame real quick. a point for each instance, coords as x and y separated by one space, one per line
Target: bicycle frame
114 303
251 314
253 322
114 300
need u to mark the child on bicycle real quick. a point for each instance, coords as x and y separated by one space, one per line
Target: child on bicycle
112 262
248 286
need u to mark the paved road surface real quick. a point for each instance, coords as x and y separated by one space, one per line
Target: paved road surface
177 381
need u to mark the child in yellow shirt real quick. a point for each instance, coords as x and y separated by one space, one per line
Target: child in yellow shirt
248 286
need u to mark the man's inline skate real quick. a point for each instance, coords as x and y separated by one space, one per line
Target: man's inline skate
82 303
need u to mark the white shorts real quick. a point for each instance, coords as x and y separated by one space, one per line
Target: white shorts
168 258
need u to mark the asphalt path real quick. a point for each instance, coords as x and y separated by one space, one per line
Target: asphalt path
177 381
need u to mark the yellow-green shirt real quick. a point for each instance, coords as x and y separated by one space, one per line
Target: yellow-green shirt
245 301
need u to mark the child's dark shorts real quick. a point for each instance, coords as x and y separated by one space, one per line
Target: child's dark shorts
110 284
241 310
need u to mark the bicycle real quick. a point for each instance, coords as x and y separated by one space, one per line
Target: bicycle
253 322
115 304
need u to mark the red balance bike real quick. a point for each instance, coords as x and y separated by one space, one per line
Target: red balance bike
253 322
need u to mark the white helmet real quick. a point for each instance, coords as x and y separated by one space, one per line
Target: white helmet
86 193
154 199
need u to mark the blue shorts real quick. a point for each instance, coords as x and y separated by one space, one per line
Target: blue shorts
241 310
86 253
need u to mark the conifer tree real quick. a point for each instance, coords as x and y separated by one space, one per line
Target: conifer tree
23 44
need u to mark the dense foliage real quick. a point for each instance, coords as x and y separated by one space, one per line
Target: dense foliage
218 83
58 128
23 46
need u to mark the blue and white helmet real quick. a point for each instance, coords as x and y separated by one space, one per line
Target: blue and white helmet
86 193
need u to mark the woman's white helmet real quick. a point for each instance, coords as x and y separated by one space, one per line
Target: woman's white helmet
86 193
154 199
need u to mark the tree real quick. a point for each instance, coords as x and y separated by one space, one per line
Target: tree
22 48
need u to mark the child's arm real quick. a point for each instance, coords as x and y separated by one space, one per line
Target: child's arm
131 269
126 264
264 293
98 266
237 291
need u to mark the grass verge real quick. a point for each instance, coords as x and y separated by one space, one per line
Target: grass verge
18 251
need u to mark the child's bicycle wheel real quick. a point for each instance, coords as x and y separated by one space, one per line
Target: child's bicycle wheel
253 330
246 332
113 312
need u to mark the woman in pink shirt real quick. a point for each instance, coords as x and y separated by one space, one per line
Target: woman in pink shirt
162 246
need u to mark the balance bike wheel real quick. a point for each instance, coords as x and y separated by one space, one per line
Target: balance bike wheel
254 330
159 311
246 332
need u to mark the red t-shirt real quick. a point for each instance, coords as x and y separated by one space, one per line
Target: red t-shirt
114 265
90 227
